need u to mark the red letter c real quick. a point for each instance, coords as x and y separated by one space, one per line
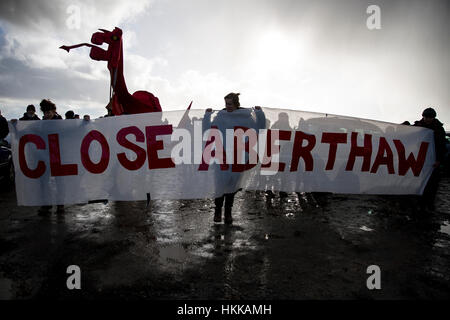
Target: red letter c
40 145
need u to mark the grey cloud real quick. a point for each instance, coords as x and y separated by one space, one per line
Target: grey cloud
19 80
31 14
218 37
42 15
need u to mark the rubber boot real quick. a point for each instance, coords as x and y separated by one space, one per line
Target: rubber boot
228 217
218 214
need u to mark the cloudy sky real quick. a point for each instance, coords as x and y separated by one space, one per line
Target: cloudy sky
305 55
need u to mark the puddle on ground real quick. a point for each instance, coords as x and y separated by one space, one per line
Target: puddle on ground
92 212
6 289
172 255
289 215
445 228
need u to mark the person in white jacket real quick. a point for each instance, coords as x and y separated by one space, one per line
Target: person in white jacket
228 118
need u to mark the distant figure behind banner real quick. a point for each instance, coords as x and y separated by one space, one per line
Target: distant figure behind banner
121 101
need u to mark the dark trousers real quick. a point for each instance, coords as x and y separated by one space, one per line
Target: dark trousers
429 194
229 199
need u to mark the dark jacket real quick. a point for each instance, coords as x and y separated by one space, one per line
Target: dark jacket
439 137
27 117
56 117
4 130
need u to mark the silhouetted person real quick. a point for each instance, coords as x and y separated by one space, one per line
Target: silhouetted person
70 114
226 178
406 123
281 124
86 117
77 116
48 108
429 121
30 114
4 130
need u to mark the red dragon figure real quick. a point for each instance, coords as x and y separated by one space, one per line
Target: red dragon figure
122 102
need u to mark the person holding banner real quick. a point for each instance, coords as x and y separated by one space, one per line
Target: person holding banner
70 115
429 121
48 108
228 180
30 114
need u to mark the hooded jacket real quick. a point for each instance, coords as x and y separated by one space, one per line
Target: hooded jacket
439 137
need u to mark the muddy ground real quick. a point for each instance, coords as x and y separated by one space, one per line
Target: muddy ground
309 247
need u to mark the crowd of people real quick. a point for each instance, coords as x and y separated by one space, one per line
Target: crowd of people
232 104
49 112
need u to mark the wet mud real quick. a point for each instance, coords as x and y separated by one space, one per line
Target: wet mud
303 246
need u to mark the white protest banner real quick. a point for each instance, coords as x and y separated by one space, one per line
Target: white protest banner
191 155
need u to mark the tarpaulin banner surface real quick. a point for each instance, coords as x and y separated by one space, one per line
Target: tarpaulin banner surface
196 154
